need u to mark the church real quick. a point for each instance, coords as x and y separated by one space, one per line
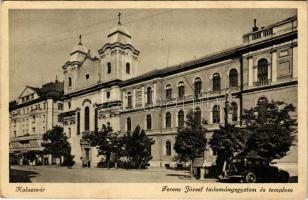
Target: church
108 90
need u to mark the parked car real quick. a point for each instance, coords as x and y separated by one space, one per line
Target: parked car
251 169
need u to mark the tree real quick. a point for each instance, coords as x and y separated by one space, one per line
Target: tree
190 141
228 141
272 129
138 147
55 142
105 141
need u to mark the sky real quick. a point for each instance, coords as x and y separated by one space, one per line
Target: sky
40 41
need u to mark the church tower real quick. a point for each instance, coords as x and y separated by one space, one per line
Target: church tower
119 58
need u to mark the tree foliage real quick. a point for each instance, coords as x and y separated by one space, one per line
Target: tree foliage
190 141
269 132
272 129
106 142
138 147
55 142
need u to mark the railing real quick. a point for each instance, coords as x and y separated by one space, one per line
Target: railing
262 82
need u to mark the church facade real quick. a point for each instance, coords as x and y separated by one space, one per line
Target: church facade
108 90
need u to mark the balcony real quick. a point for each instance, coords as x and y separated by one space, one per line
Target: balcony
262 82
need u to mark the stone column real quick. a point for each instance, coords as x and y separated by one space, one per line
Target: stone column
154 94
134 98
274 66
294 64
142 96
250 71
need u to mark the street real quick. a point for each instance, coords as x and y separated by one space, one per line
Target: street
53 174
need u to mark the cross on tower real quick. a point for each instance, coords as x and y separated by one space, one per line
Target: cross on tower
119 15
80 40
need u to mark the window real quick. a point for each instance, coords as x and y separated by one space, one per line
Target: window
33 130
108 68
60 106
216 114
262 72
69 104
129 100
128 124
234 111
87 76
216 82
69 81
181 119
14 133
108 94
69 132
198 115
181 89
168 91
233 78
149 95
198 86
168 120
127 68
33 119
87 118
148 122
168 148
262 101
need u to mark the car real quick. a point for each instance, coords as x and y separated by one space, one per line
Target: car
251 169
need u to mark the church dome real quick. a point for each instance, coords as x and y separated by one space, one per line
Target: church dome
119 29
79 52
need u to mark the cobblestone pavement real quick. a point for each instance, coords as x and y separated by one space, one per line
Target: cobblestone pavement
55 174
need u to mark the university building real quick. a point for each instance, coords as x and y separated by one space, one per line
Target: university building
108 90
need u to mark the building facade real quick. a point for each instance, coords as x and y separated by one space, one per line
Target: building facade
34 112
108 90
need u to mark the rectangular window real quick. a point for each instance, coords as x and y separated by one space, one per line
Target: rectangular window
14 133
60 106
33 130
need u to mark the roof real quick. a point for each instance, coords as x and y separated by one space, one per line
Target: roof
51 90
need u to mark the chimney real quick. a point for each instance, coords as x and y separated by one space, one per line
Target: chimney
254 28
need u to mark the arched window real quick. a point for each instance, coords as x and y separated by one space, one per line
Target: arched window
69 81
234 111
149 95
262 72
129 100
108 94
148 122
198 86
87 119
127 68
168 148
181 119
198 115
262 108
262 101
216 114
181 89
69 132
168 120
216 82
128 124
233 79
108 68
168 91
87 76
